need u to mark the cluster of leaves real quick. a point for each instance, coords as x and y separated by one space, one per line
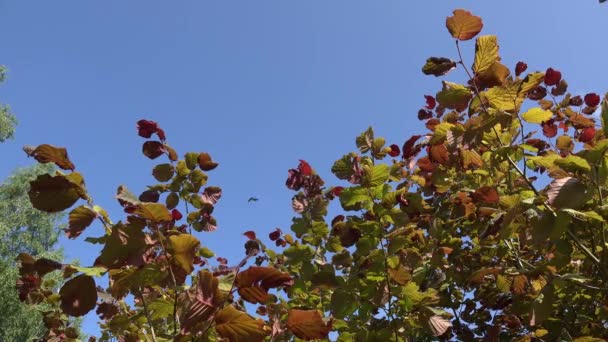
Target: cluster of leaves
451 237
7 119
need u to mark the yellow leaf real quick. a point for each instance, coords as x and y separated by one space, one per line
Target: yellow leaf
184 247
238 326
463 25
537 115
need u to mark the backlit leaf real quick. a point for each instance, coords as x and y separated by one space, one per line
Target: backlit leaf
54 193
238 326
438 66
253 284
454 96
308 324
463 25
183 249
163 172
155 212
486 53
439 325
537 115
79 219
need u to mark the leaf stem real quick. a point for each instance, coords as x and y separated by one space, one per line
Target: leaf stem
147 313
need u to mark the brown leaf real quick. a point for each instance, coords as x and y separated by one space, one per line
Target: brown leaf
463 25
46 153
79 219
78 295
486 194
205 162
153 149
308 324
439 325
253 284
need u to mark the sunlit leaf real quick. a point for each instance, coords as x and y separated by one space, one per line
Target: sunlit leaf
537 115
46 153
79 219
308 324
253 284
463 25
55 193
238 326
183 249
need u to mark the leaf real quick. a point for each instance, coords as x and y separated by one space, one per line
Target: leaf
486 194
46 153
183 250
205 162
79 219
463 25
567 192
439 325
438 66
542 307
537 115
238 326
342 303
573 163
374 175
55 193
486 53
155 212
604 114
91 271
253 284
163 172
160 308
440 133
153 149
365 140
454 96
78 295
205 298
308 324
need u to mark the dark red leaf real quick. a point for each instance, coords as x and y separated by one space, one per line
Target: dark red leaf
432 123
592 99
294 179
549 128
424 114
222 261
149 196
520 67
563 126
153 149
275 234
337 190
145 128
408 149
430 102
586 135
552 77
176 215
280 243
339 218
539 143
305 168
250 234
537 93
395 151
161 134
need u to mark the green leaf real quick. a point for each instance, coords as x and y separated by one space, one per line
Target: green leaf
238 326
205 252
604 114
454 96
344 168
161 308
438 66
365 140
343 303
163 172
542 307
183 249
537 115
191 159
584 216
440 133
573 163
91 271
354 198
374 175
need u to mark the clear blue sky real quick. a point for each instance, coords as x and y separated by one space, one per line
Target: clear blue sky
258 84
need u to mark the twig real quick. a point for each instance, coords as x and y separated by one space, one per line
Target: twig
147 313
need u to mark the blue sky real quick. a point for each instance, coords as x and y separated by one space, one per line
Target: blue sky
257 84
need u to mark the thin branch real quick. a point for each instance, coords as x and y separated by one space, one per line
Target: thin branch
388 287
147 313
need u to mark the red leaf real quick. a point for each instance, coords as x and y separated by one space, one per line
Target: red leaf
250 234
520 67
552 77
563 126
161 134
592 99
408 149
586 135
395 151
176 215
430 102
336 190
424 114
549 128
145 128
425 164
486 194
153 149
439 154
305 168
539 143
432 123
275 235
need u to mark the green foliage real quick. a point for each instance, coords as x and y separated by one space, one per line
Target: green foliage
7 119
450 238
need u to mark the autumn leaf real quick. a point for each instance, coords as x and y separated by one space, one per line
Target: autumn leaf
463 25
46 153
183 249
308 324
79 219
78 295
253 284
238 326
